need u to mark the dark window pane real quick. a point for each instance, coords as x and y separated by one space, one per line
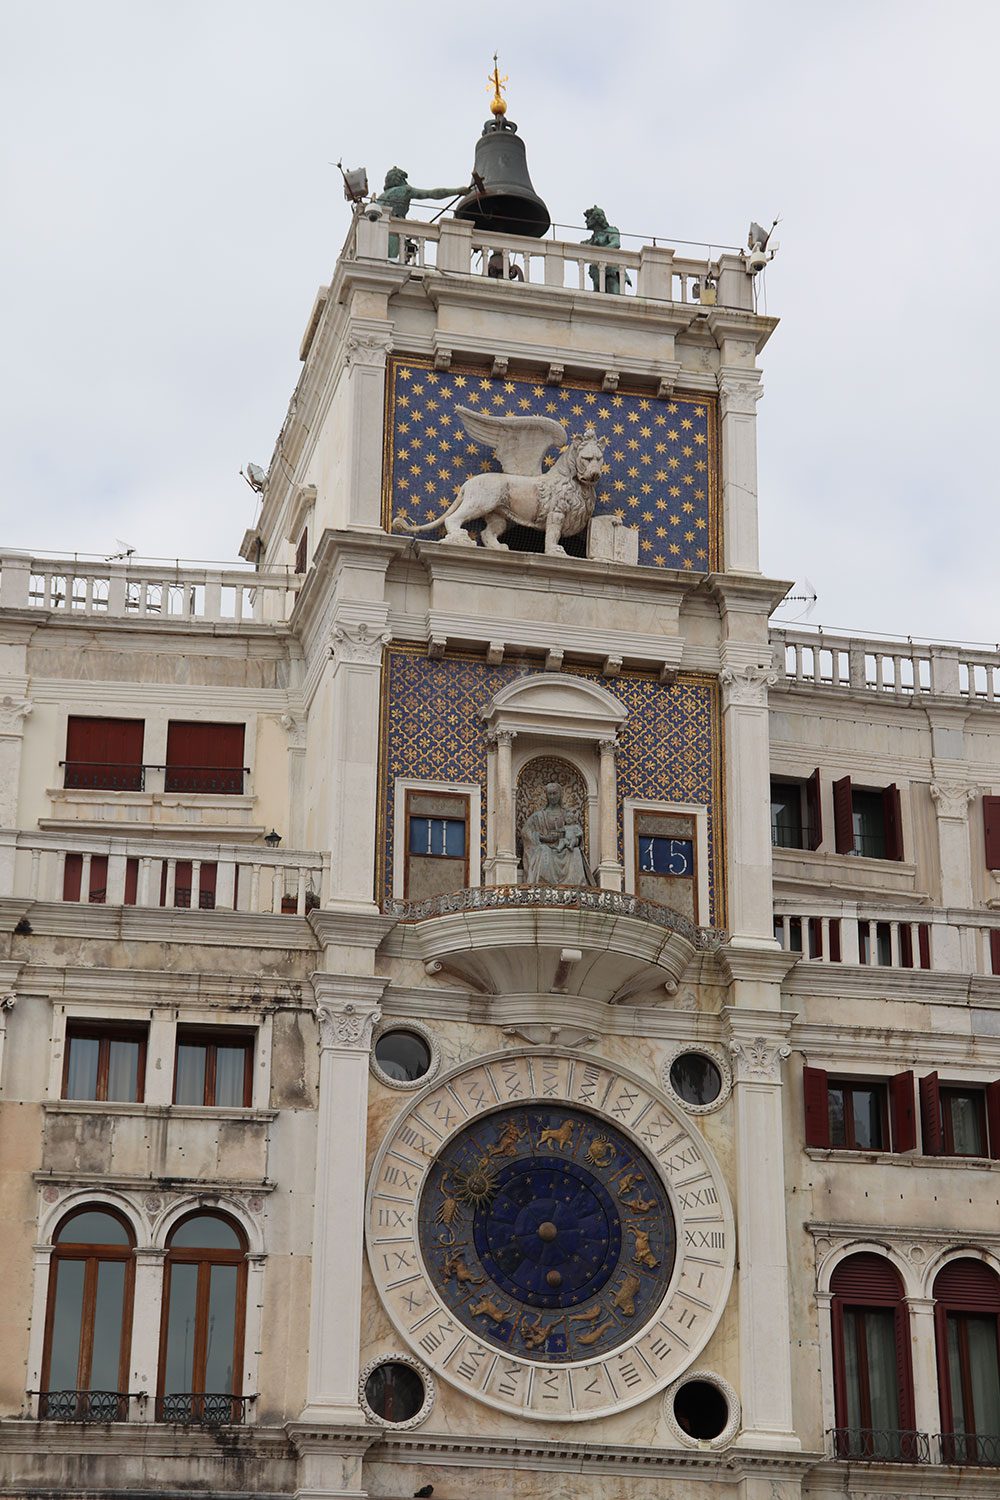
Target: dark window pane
91 1227
221 1329
883 1382
695 1078
966 1123
123 1070
838 1123
81 1078
394 1392
108 1308
206 1232
230 1075
984 1373
867 1111
869 824
190 1085
402 1054
179 1372
788 827
64 1360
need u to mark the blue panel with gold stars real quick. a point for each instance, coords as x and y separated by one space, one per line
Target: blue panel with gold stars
660 455
669 749
547 1232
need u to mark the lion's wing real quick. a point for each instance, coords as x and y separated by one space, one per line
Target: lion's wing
520 443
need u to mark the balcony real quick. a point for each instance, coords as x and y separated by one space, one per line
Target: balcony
884 936
819 659
189 1409
203 1409
868 1445
83 1406
104 776
976 1450
162 593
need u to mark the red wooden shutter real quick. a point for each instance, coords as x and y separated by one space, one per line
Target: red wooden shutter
302 553
182 882
995 949
991 828
835 940
72 877
993 1118
814 1093
815 809
905 946
924 943
112 744
892 822
904 1124
98 892
131 882
206 888
968 1285
843 816
930 1115
204 757
867 1279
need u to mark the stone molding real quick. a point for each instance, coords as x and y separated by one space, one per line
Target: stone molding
917 1253
367 348
952 798
747 686
360 644
716 1055
295 725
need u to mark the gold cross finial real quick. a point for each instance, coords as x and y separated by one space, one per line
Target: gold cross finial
499 105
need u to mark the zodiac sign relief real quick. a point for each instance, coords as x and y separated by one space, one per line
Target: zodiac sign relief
448 1211
454 1265
508 1140
560 1136
624 1298
643 1255
600 1152
487 1308
536 1333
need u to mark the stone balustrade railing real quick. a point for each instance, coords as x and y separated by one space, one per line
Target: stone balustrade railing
886 936
154 872
904 669
454 246
68 588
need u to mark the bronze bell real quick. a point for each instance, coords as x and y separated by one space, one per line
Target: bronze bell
503 199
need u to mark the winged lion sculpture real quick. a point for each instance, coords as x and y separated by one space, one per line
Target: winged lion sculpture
559 502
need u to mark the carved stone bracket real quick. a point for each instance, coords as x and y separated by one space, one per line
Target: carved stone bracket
748 685
758 1059
360 644
295 727
371 349
346 1026
952 798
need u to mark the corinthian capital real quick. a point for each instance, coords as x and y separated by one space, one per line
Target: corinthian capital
739 396
13 712
747 685
359 643
758 1059
346 1026
952 798
367 347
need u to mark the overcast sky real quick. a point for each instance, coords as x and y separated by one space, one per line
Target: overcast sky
172 210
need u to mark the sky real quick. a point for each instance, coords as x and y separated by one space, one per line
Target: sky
172 210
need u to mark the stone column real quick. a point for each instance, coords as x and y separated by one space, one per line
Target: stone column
739 393
923 1345
356 648
295 727
347 1011
609 871
747 765
505 860
366 348
13 712
758 1044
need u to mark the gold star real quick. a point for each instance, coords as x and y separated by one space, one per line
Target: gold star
405 374
460 381
509 386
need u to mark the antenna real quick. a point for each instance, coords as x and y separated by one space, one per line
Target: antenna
355 182
808 597
256 477
123 556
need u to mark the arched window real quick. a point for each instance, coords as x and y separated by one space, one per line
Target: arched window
201 1329
88 1320
871 1359
967 1293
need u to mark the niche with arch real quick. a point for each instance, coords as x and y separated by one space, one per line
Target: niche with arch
532 779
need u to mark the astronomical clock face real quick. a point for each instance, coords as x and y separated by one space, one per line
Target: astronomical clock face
549 1235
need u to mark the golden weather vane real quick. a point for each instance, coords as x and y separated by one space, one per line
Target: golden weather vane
497 84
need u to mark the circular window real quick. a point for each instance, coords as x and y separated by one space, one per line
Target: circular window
698 1077
695 1078
703 1408
404 1056
398 1391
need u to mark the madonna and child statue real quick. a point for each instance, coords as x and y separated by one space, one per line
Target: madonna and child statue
552 844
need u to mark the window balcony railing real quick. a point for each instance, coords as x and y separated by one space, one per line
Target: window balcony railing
105 776
222 780
83 1406
870 1445
203 1409
791 835
977 1449
101 776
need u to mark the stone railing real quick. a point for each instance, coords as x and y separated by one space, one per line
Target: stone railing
152 872
884 936
454 246
903 669
69 588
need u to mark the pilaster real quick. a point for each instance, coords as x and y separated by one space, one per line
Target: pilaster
609 871
356 642
747 766
366 348
347 1012
758 1042
923 1346
951 803
739 392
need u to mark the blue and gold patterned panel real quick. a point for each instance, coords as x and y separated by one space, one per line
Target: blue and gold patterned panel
660 454
432 730
547 1232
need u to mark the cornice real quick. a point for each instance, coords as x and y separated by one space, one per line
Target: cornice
873 982
769 965
671 1021
894 1046
139 1441
250 931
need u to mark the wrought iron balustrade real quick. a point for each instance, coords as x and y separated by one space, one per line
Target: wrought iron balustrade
103 776
977 1449
791 835
83 1406
203 1408
875 1445
224 780
560 897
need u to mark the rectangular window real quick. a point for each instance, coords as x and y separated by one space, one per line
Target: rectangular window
184 895
960 1119
796 820
437 843
991 831
214 1068
204 758
104 1063
859 1114
859 1117
866 822
302 552
104 754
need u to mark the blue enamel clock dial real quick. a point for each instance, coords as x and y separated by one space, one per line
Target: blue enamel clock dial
547 1232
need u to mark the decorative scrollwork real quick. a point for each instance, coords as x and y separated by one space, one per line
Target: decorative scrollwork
569 898
360 644
347 1026
747 685
758 1058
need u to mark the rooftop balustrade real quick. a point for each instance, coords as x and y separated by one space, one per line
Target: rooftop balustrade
880 935
71 588
900 669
